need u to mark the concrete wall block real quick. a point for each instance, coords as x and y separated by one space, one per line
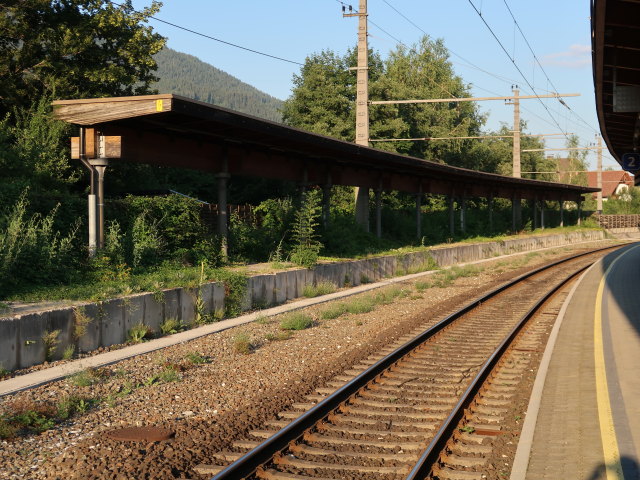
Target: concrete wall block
91 339
112 324
262 291
32 349
301 281
246 302
292 280
153 311
218 299
134 312
206 295
188 298
61 319
281 288
340 271
392 265
172 304
9 343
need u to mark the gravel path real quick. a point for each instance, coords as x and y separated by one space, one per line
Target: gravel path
208 405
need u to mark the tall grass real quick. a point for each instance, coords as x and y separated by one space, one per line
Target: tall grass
31 250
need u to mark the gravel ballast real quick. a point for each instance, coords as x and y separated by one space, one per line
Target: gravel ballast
208 405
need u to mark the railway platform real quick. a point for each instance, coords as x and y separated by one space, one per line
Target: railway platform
583 421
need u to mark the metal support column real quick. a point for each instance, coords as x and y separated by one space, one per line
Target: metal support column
534 210
362 207
463 214
542 214
223 217
579 212
561 202
100 165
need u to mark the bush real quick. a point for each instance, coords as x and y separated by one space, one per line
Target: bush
305 238
31 251
323 288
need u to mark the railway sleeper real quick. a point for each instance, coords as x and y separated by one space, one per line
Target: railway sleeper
306 452
425 416
271 474
318 467
436 400
345 431
404 407
463 460
452 474
325 440
389 425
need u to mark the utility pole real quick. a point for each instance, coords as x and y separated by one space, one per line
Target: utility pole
516 132
362 106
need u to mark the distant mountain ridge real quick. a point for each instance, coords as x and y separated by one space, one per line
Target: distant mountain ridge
190 77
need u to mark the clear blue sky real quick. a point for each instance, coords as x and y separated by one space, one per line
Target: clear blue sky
558 31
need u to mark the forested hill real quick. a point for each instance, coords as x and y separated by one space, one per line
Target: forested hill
190 77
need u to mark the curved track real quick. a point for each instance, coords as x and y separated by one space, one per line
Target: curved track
402 414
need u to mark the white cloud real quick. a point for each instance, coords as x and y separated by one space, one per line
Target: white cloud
576 56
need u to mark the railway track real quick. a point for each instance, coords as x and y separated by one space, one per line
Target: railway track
428 406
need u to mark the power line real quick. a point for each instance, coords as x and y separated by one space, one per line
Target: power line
214 38
515 64
541 67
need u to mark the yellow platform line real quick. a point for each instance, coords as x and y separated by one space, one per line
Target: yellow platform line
607 429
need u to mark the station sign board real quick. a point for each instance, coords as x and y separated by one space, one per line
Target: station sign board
631 162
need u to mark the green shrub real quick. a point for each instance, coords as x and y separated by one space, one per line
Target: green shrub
197 358
296 321
89 376
277 337
169 374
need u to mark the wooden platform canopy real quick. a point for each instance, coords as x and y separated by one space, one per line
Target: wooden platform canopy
174 131
615 26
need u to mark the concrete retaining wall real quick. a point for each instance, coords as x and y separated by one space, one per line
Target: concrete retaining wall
94 325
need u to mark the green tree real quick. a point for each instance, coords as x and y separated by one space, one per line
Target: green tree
323 100
74 49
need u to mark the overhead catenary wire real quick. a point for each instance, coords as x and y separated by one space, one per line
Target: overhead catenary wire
204 35
524 77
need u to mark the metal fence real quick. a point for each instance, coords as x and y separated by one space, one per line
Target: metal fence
618 221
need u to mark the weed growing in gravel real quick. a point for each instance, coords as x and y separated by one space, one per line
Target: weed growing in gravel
277 337
387 296
296 321
169 374
333 311
263 320
361 305
421 286
447 277
242 343
139 332
4 372
74 404
89 376
323 288
29 416
7 429
171 325
197 358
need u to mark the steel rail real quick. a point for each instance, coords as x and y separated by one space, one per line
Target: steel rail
430 456
258 456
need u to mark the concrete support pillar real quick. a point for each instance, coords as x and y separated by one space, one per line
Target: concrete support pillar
561 202
362 207
491 213
542 214
304 183
451 218
463 214
379 212
326 204
534 224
